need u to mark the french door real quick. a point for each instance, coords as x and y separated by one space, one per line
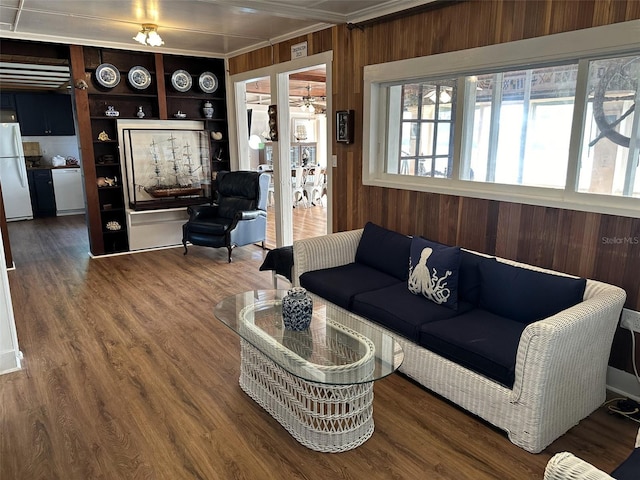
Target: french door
248 111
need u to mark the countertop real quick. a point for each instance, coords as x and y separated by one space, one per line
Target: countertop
51 167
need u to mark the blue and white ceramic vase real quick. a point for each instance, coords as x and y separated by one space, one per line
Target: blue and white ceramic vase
297 308
207 109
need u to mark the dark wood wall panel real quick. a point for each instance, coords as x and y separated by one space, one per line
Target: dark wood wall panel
565 240
85 137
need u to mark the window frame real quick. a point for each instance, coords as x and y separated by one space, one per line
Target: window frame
580 45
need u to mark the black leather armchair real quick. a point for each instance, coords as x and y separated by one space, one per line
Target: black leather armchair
238 218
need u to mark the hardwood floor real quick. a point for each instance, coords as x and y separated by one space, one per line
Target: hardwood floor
128 375
307 223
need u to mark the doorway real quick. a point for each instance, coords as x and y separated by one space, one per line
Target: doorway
298 158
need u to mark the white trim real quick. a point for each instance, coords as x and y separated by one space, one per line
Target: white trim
10 354
623 383
618 38
279 77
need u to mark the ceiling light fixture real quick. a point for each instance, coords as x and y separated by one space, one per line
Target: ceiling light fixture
149 35
307 107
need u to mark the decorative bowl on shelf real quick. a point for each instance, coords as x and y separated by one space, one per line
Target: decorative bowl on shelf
139 77
216 135
107 75
181 80
180 114
112 112
208 82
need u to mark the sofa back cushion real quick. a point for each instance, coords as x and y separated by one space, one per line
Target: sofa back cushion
433 271
526 295
469 279
384 250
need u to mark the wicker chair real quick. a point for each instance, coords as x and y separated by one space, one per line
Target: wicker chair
566 466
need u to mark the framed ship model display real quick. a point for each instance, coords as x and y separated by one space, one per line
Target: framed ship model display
167 168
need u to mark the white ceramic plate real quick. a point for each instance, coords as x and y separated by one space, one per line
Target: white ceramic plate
208 82
107 75
139 77
181 80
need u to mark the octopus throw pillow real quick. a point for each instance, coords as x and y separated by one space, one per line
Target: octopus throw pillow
433 271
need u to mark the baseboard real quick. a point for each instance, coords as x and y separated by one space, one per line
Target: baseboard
623 383
10 361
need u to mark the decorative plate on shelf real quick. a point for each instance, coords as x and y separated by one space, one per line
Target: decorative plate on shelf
208 82
181 80
139 77
107 75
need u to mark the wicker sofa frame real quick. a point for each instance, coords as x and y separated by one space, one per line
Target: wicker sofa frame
561 361
566 466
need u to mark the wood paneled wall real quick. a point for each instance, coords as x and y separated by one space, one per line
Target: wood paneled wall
570 241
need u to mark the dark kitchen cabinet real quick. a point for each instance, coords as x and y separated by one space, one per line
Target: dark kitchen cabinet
7 101
43 197
44 114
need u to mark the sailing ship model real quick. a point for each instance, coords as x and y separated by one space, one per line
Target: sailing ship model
174 173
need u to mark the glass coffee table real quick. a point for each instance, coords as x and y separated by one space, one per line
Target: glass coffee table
317 383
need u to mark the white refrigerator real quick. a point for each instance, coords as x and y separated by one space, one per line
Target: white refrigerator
13 174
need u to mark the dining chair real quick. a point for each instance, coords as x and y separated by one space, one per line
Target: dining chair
298 182
316 188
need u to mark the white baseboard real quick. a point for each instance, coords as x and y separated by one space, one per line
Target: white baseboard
10 361
623 383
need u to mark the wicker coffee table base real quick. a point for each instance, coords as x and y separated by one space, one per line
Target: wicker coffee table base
326 418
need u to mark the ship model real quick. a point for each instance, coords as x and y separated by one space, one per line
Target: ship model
175 175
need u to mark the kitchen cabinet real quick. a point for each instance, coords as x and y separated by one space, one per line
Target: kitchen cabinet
67 185
7 101
44 114
43 199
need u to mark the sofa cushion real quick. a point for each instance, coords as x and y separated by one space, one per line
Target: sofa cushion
630 468
397 309
212 226
384 250
526 295
469 277
340 284
433 271
478 340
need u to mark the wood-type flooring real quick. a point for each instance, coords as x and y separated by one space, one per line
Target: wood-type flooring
128 375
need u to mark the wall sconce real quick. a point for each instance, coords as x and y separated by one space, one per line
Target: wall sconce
149 35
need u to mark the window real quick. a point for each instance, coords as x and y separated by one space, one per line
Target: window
425 135
546 121
520 126
609 156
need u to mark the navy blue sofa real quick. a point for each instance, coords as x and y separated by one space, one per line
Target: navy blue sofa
503 350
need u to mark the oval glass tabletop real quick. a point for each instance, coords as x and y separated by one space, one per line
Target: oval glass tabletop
338 348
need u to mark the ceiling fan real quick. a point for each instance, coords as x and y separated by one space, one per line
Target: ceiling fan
310 104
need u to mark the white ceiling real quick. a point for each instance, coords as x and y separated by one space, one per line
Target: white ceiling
207 28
